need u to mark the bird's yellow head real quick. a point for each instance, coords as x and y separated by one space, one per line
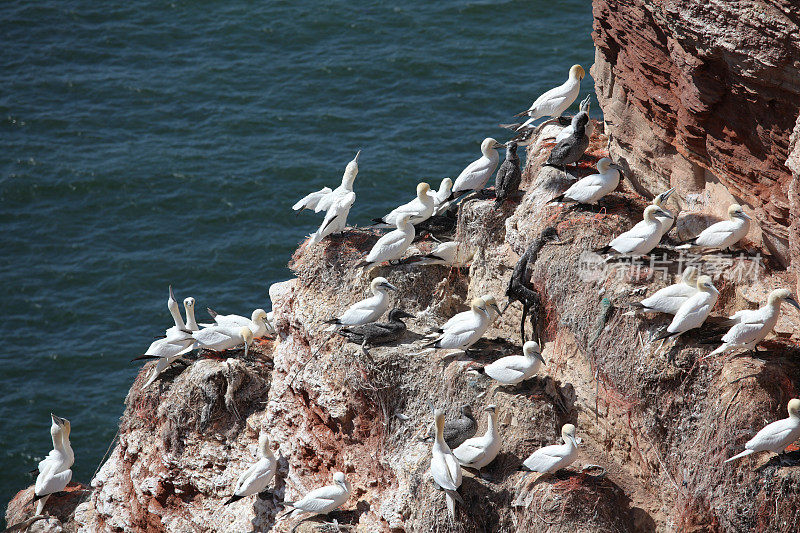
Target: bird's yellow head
794 407
422 189
577 72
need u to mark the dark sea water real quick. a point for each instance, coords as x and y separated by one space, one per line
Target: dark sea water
149 143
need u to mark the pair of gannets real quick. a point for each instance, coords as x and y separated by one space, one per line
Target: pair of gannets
514 369
478 452
694 311
592 188
55 469
255 479
322 500
180 326
323 199
775 437
450 253
466 328
722 234
753 326
393 245
669 299
552 458
643 237
475 176
369 309
554 102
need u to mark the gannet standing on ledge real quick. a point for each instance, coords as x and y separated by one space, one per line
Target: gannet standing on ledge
220 338
640 239
722 234
464 329
54 470
514 369
776 436
450 253
393 245
509 176
445 469
324 198
554 102
369 309
593 188
553 458
419 209
475 176
256 478
694 311
322 500
669 299
478 452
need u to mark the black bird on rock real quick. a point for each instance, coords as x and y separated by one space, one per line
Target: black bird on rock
458 430
571 149
377 332
509 176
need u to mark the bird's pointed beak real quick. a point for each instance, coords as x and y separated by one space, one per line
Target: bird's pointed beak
618 167
57 419
506 307
790 300
498 145
390 286
356 157
496 308
745 215
574 441
668 193
538 356
171 294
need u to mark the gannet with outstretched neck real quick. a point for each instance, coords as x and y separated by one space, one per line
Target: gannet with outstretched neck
555 457
335 220
257 322
369 309
322 500
514 369
256 478
393 245
660 200
555 101
324 198
669 299
478 452
419 209
640 239
219 338
592 188
722 234
776 436
694 311
54 470
475 176
753 326
445 469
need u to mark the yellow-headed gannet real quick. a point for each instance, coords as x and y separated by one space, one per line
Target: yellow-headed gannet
553 458
369 309
257 322
54 470
441 197
324 198
450 253
478 452
491 310
660 200
219 338
514 369
777 436
592 188
445 469
477 173
393 245
191 322
322 500
753 326
640 239
419 209
335 220
694 311
554 102
256 478
722 234
464 329
669 299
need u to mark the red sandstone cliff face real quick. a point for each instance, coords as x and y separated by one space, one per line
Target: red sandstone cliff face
704 96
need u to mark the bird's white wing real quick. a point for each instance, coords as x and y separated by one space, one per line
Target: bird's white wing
213 336
311 200
413 207
464 315
319 500
167 348
507 369
256 478
743 315
48 483
470 451
474 176
359 311
550 100
774 436
232 321
544 459
441 472
744 332
669 299
587 189
716 234
391 245
690 316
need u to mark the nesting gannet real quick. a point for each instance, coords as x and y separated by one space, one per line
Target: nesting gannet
669 299
442 196
322 500
167 351
694 311
445 469
256 478
477 173
450 253
491 305
753 326
464 329
478 452
775 437
592 188
393 245
419 209
54 470
509 176
571 149
377 332
553 458
335 218
369 309
722 234
660 200
640 239
219 338
569 129
258 322
514 369
492 311
324 198
457 431
555 101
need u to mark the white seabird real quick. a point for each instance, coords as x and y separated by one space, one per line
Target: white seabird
258 322
219 338
478 452
167 351
753 326
592 188
553 458
554 102
322 500
256 478
335 220
514 369
175 311
324 198
464 329
442 196
477 173
722 234
694 311
642 238
393 245
419 209
669 299
54 470
369 309
445 469
660 200
450 253
775 437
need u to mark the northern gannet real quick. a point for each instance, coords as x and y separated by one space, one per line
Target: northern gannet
694 311
335 218
571 149
419 209
554 102
509 176
322 500
592 188
669 299
553 458
477 173
514 369
775 437
464 329
219 338
640 239
167 351
491 305
256 478
377 332
569 129
722 234
54 470
174 310
660 200
457 431
324 198
393 245
450 253
492 311
753 326
445 469
257 322
191 322
442 196
369 309
478 452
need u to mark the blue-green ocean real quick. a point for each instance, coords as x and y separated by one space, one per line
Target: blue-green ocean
154 142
